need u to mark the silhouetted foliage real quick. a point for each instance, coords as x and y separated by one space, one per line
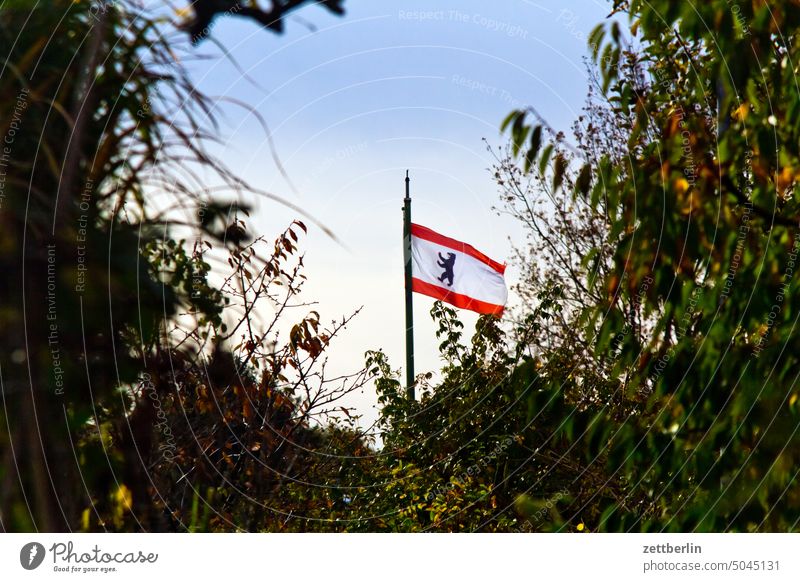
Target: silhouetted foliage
271 18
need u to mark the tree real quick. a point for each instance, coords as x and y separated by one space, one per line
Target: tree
704 225
565 257
103 146
490 447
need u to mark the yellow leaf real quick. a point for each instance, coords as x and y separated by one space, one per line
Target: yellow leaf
124 496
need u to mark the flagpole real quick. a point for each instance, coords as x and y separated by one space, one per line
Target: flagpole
409 302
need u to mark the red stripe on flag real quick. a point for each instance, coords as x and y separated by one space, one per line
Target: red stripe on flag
439 239
457 299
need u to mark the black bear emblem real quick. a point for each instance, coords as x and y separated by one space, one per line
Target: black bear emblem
447 265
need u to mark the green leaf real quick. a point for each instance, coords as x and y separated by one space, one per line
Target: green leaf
509 118
596 39
519 138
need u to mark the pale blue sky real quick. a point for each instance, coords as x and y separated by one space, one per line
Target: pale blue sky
383 89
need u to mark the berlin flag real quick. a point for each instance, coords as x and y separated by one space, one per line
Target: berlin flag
456 272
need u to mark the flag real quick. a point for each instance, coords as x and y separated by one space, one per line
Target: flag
456 272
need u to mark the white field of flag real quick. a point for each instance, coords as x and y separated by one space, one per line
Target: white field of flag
455 272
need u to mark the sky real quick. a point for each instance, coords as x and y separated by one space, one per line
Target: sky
354 103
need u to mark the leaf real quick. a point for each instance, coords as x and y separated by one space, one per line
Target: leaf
536 143
519 139
584 180
596 38
519 131
615 31
559 170
509 118
548 150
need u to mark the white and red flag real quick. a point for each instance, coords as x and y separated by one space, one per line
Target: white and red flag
455 272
